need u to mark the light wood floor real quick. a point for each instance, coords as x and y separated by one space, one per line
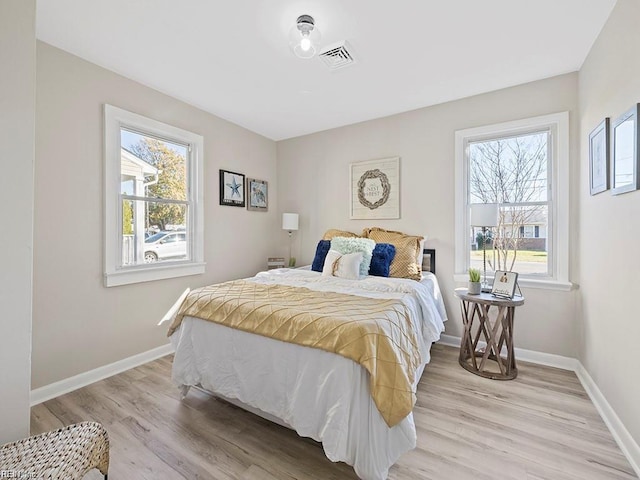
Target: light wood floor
540 426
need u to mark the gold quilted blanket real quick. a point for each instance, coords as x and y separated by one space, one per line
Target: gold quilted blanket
376 333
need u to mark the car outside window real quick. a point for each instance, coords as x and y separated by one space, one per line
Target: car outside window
153 187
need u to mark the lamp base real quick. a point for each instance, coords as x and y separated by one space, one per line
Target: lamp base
486 288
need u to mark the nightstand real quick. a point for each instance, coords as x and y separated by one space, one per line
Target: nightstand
488 328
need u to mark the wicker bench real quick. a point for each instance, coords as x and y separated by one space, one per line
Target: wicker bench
63 454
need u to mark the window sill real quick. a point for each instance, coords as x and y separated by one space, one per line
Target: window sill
545 284
148 274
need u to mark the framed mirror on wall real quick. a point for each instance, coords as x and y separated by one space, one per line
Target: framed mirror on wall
624 152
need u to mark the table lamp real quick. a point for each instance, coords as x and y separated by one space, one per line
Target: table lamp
484 215
290 223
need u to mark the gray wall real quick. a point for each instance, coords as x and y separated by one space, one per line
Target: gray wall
610 225
78 324
17 133
315 169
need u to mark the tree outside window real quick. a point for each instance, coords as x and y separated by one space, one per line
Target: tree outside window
513 172
154 193
153 208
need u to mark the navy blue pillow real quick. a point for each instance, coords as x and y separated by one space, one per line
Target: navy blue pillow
321 252
383 254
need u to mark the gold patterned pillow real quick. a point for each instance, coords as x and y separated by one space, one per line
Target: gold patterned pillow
404 264
332 232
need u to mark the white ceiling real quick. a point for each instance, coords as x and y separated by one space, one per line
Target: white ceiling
232 59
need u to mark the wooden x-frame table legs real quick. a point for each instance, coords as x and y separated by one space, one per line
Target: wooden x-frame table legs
496 332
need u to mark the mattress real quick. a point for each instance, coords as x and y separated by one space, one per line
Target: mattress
320 395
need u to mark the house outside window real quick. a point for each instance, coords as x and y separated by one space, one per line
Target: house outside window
153 204
523 167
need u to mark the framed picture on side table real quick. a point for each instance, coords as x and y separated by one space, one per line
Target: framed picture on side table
504 284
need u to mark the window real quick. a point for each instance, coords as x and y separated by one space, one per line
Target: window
153 205
523 167
512 171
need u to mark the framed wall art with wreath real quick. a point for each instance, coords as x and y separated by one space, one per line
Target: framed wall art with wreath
375 189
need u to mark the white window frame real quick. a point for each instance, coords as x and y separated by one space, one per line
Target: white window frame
114 274
558 125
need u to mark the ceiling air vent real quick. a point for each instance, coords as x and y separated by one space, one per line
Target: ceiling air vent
337 56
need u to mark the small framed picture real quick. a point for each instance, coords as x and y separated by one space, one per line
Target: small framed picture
257 195
625 154
504 284
231 189
599 158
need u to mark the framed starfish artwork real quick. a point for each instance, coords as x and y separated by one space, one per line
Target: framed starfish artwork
232 189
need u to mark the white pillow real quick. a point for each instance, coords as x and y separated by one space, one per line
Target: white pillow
420 257
343 266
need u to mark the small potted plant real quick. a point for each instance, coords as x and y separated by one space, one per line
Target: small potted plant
475 287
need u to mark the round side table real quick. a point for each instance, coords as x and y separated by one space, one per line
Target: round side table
489 320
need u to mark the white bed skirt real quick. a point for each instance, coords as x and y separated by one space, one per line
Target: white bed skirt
320 395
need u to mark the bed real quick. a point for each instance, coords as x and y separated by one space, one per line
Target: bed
317 393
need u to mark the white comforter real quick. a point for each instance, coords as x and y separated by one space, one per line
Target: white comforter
319 394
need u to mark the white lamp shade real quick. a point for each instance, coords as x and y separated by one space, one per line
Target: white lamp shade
290 221
484 215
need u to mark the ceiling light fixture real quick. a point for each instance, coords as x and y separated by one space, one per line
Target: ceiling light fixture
304 37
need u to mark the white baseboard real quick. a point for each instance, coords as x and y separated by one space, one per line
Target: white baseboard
449 340
70 384
540 358
623 438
